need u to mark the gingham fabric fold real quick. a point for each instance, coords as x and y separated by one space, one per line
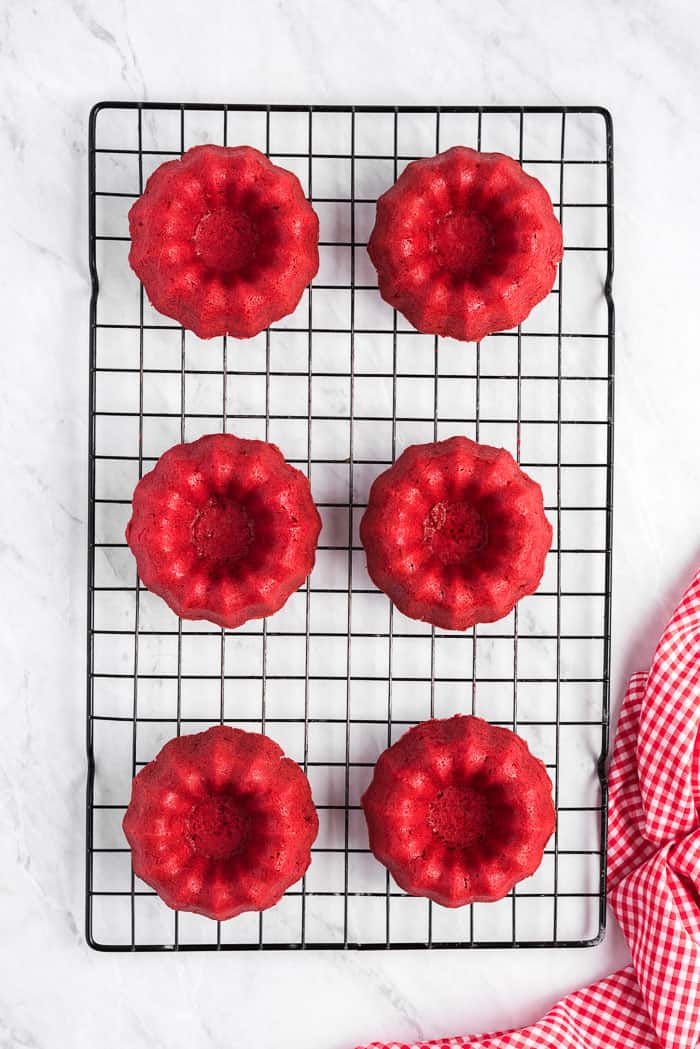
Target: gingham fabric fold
653 869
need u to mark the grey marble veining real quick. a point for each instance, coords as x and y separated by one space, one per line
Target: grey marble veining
56 59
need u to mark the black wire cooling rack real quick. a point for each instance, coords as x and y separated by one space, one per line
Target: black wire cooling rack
343 385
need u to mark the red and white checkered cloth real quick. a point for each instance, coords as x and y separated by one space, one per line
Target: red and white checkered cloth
653 869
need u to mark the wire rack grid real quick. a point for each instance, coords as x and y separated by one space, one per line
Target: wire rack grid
343 385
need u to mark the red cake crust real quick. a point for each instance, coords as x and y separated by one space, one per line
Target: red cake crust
465 244
223 241
221 822
223 529
459 811
455 533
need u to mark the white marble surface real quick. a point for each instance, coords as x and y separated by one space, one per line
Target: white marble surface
57 58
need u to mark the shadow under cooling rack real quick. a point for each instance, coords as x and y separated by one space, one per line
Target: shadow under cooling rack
343 386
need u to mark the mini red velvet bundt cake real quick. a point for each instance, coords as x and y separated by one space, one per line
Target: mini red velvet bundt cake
223 529
221 822
455 533
223 241
465 244
459 811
